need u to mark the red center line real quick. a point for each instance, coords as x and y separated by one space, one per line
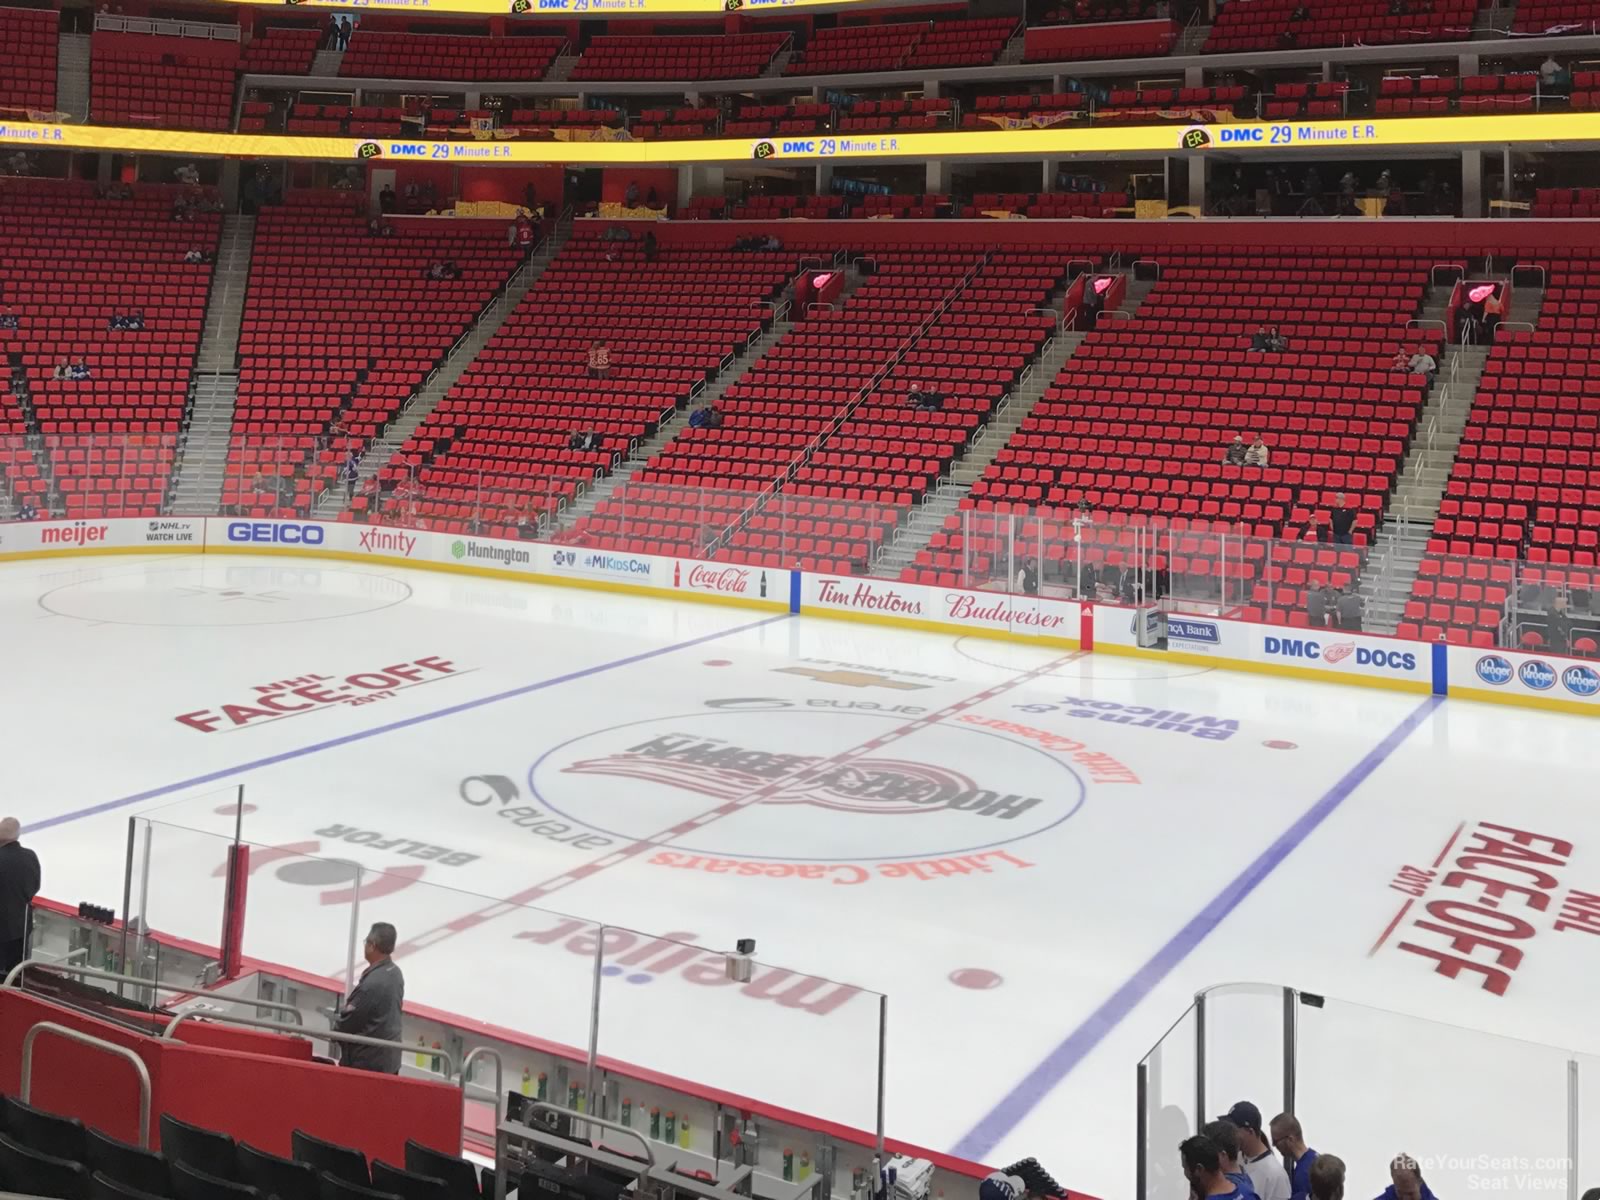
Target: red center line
766 791
1406 907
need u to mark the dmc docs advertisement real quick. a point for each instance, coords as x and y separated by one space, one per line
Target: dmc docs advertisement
1039 617
1328 651
112 533
1495 673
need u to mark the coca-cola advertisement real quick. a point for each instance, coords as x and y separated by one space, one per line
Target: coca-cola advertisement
722 579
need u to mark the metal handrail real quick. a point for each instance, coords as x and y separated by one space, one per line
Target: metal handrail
614 1126
25 1090
1433 271
1419 322
1133 267
316 1035
87 972
1507 326
1544 276
472 1057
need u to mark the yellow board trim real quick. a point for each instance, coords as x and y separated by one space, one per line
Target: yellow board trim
1414 686
598 585
1381 133
1581 708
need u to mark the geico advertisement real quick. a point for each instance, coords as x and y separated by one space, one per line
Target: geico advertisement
1266 137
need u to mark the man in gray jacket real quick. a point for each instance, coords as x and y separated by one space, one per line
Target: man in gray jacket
19 884
373 1008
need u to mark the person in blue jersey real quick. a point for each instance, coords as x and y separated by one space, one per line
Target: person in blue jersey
1289 1140
1407 1184
1327 1178
1202 1167
1226 1135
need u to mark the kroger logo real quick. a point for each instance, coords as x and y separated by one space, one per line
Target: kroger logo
269 532
1581 681
1337 652
1538 675
1187 630
1493 669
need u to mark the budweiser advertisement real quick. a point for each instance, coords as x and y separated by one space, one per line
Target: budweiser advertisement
957 608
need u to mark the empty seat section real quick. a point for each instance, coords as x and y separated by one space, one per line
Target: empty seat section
971 43
279 50
496 450
697 56
1522 505
847 48
29 37
1275 24
1139 418
69 263
340 327
374 54
162 81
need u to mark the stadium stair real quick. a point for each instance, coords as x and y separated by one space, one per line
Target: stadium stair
326 63
202 464
72 75
561 70
929 518
426 398
591 498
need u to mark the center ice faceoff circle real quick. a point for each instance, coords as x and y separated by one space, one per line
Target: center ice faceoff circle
830 785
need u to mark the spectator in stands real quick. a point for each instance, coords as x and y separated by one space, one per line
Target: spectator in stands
1302 13
182 210
378 227
387 199
1327 1178
651 249
1276 342
27 512
373 1008
1551 74
1226 1136
1237 452
1261 339
194 254
345 30
599 359
1343 519
19 884
630 198
188 175
79 370
651 200
1087 578
9 320
445 269
1289 1140
330 35
1202 1166
1258 455
1558 626
584 439
713 417
1407 1181
1401 360
62 370
1350 610
1317 607
1422 363
1028 577
350 472
924 398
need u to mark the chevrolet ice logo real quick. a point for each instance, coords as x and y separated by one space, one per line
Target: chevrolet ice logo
855 679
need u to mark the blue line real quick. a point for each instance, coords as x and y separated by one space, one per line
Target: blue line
422 718
1060 1062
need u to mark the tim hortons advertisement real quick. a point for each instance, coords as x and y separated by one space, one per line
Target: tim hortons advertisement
106 533
954 607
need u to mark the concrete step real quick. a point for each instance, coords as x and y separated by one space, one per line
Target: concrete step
326 62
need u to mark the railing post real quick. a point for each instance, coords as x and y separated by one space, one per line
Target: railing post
1141 1139
1573 1139
1199 1060
1291 1014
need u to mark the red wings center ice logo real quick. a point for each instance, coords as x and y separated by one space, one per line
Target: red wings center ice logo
802 784
726 772
1338 652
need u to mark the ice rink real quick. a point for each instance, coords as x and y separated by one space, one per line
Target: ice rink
1038 855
